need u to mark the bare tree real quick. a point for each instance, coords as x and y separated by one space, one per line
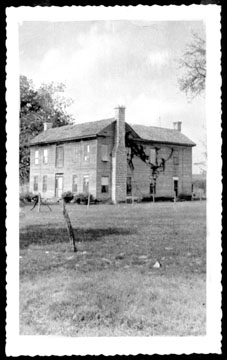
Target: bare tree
137 149
193 64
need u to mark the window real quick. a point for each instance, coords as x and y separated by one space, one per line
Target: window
77 153
104 184
153 156
105 155
74 183
86 152
36 157
44 183
35 184
176 158
86 184
59 156
45 156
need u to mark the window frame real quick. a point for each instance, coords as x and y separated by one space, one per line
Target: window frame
176 158
45 157
74 176
88 178
36 157
76 157
44 188
104 186
86 154
36 183
57 157
105 153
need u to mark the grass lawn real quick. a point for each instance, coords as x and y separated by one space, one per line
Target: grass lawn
110 287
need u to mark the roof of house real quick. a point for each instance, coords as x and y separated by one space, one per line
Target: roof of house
89 129
72 131
158 134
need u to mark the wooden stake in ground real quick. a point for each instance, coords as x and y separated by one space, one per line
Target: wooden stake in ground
35 199
39 201
88 200
69 227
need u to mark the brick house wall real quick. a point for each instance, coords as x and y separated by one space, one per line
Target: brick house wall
104 168
96 168
101 157
74 164
141 175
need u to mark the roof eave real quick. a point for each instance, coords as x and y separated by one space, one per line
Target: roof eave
63 140
165 142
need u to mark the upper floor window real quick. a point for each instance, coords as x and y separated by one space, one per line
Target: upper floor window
59 156
45 156
76 153
44 183
35 183
36 157
86 152
176 158
105 155
74 183
153 156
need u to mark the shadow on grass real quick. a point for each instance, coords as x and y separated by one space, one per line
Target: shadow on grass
43 235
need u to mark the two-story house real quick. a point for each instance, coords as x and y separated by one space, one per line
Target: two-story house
92 157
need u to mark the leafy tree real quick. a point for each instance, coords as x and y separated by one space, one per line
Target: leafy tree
36 107
193 64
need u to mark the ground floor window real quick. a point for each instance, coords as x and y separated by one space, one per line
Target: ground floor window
74 183
44 183
35 184
86 184
129 186
105 184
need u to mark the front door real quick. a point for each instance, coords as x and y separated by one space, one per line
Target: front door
175 187
129 186
59 186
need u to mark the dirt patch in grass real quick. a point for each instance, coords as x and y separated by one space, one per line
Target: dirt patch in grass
43 235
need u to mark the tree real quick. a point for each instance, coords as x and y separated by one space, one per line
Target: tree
36 107
137 149
193 64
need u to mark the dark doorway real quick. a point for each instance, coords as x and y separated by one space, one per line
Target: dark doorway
175 187
152 188
129 186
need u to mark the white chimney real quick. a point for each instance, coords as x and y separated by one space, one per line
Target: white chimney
120 128
177 125
47 126
119 158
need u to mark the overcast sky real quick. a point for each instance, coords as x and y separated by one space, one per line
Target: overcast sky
109 63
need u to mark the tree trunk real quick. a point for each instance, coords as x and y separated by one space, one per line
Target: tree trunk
69 227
